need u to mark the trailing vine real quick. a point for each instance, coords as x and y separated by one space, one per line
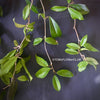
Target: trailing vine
13 62
55 32
77 11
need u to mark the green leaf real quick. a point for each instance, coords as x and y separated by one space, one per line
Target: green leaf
41 61
82 66
82 8
58 8
56 83
65 73
33 8
8 65
15 43
26 70
90 47
83 40
26 12
73 46
22 78
6 78
42 73
92 61
37 41
18 67
54 28
51 40
18 25
41 14
30 27
1 11
75 14
10 54
69 1
24 44
71 51
83 49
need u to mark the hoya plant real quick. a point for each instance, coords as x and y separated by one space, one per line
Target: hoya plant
45 66
12 64
77 11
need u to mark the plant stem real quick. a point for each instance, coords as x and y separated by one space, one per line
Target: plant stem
45 47
75 29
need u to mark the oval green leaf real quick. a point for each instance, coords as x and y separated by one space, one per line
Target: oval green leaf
75 14
26 12
37 41
22 78
82 8
58 8
82 66
71 51
83 40
56 83
42 73
51 40
73 46
33 8
90 47
69 1
54 28
65 73
41 61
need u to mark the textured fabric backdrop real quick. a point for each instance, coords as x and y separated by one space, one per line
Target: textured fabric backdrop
83 86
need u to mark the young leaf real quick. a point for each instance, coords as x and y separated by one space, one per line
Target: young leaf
58 8
69 1
82 66
41 14
22 78
75 14
18 25
42 73
26 12
33 8
90 47
26 70
54 28
41 61
51 40
30 27
65 73
73 46
82 8
37 41
1 11
83 40
71 51
83 49
92 61
8 65
15 43
56 83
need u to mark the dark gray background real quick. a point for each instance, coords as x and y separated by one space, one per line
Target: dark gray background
83 86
